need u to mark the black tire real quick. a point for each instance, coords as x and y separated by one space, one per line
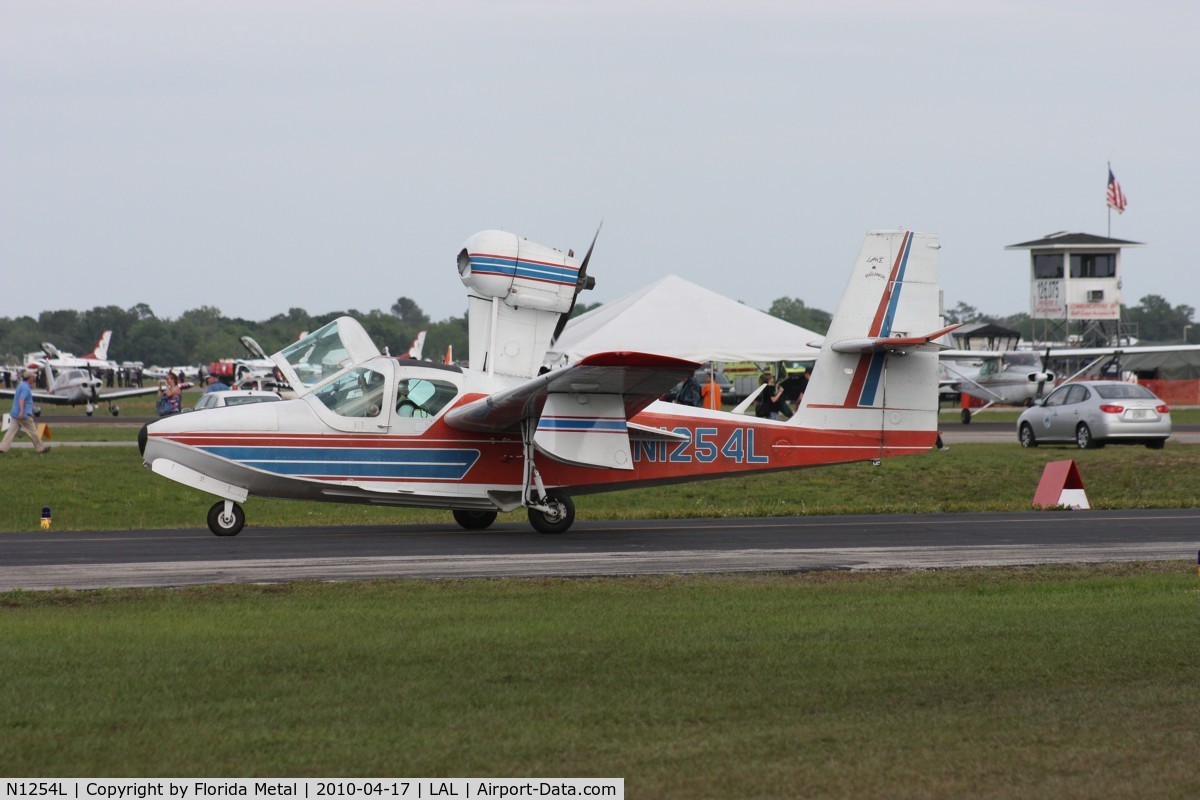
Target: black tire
222 526
557 523
1026 435
966 416
1157 444
114 410
474 520
1084 438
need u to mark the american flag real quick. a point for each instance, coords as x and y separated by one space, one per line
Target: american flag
1116 198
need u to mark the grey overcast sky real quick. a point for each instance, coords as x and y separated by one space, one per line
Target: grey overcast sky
258 156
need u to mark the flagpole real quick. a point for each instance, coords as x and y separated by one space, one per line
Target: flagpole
1110 207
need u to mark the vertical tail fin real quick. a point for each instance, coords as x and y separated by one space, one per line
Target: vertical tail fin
417 348
878 365
100 352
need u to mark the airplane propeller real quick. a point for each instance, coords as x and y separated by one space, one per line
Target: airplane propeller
1049 376
581 282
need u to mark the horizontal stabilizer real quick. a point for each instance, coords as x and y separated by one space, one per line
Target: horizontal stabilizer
894 344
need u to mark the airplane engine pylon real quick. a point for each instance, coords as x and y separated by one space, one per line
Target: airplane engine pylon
1061 485
517 290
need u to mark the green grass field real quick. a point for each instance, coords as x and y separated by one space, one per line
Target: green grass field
1048 682
104 487
1052 682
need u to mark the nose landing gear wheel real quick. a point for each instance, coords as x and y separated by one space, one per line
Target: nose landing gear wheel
474 520
223 524
560 517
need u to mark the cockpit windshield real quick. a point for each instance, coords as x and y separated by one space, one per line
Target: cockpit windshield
325 352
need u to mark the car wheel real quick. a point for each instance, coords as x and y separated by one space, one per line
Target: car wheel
1084 438
1026 435
1157 444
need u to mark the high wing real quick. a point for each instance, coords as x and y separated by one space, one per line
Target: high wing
970 355
1131 350
582 412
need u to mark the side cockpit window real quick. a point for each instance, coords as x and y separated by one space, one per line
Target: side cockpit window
358 393
419 397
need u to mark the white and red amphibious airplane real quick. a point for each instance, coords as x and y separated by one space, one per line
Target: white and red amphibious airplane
504 434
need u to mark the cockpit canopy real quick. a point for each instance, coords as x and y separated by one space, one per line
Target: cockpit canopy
325 352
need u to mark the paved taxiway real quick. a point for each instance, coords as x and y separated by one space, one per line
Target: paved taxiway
37 560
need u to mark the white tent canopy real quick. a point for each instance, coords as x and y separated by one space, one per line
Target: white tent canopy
675 317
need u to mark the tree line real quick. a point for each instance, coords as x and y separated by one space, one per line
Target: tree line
1153 319
203 335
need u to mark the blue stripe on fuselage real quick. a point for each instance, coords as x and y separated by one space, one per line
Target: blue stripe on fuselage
355 462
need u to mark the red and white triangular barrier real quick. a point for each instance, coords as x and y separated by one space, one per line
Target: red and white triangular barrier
1060 486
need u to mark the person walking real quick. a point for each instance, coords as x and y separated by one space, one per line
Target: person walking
22 415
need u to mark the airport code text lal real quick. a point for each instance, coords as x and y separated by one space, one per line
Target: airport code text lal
140 789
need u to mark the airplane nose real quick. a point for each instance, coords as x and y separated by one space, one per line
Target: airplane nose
142 439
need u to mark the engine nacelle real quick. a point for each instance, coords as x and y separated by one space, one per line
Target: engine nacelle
522 273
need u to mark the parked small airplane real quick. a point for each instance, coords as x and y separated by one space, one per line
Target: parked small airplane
500 434
76 386
1021 377
71 379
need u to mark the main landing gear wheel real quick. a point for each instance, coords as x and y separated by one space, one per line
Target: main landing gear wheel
474 520
558 519
114 410
966 416
223 524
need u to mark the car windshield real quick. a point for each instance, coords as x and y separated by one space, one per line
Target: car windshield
1124 391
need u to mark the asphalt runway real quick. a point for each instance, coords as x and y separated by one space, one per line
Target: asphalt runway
80 560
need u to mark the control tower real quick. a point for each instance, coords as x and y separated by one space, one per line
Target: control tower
1075 288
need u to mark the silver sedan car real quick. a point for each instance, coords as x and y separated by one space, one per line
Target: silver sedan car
1094 413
